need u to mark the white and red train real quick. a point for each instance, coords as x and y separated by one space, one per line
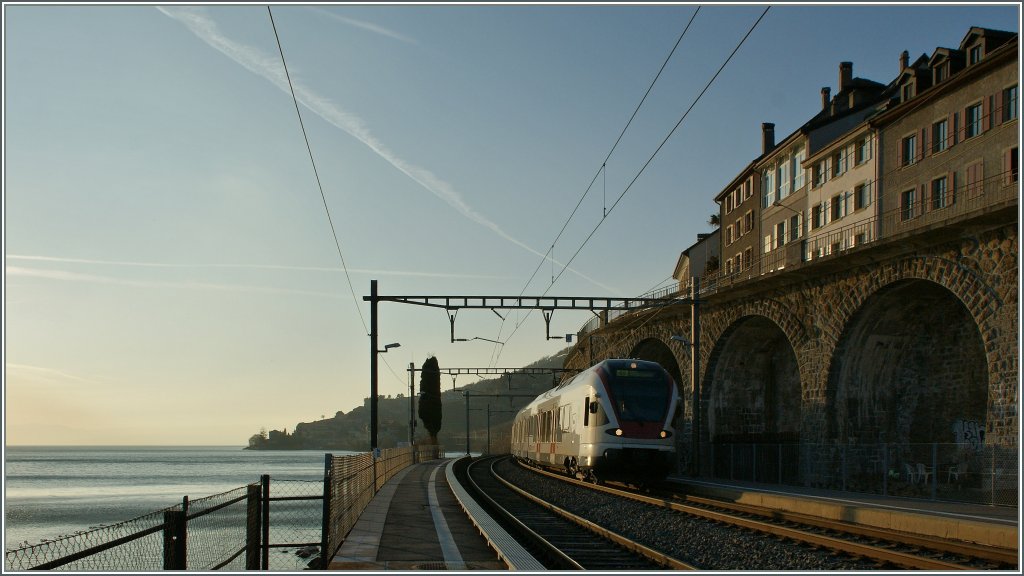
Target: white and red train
611 421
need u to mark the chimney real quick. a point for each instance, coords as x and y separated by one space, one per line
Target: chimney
826 97
904 60
845 75
767 137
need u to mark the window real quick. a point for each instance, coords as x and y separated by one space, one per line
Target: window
729 266
861 196
739 228
975 179
794 227
908 92
816 217
748 221
909 154
939 136
941 72
1009 103
796 168
907 204
838 163
780 234
862 151
767 243
728 235
939 195
819 173
768 184
974 55
748 258
973 121
838 207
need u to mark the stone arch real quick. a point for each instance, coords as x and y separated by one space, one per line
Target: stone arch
751 395
655 350
909 370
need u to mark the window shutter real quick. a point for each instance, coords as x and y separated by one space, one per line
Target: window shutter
997 114
924 145
922 191
1008 167
926 138
951 187
901 155
986 113
951 130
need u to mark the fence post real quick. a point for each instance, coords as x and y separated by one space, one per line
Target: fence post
175 538
935 468
253 521
265 525
325 530
885 469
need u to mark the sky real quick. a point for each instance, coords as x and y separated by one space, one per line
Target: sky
171 273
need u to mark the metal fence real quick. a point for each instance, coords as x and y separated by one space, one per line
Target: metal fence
934 471
236 530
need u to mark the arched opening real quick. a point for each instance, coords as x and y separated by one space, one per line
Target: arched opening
655 350
752 396
908 385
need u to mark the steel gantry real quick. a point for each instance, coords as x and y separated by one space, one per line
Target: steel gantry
452 305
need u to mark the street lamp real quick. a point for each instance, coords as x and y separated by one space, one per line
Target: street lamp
388 347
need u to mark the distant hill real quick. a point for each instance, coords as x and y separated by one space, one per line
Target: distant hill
351 431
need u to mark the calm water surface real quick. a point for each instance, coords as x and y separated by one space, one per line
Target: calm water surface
53 491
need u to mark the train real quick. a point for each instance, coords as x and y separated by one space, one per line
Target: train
612 421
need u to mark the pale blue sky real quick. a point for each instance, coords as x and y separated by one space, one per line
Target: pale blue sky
171 277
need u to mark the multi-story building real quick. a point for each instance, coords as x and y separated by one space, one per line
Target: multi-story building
810 181
842 168
699 259
949 145
739 215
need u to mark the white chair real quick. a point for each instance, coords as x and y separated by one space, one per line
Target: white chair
911 474
923 472
956 471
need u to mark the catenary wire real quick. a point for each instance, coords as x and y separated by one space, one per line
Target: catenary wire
600 171
647 163
327 210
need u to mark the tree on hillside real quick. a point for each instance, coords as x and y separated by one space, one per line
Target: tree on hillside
430 397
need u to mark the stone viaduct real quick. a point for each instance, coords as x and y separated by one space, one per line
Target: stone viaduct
882 355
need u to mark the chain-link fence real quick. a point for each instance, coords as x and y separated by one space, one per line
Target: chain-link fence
953 472
271 525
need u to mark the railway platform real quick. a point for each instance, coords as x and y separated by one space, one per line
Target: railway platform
979 523
417 521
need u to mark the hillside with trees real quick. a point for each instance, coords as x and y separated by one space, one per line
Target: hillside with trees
351 430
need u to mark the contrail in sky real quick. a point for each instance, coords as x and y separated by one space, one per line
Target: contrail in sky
196 20
15 271
46 373
366 26
255 267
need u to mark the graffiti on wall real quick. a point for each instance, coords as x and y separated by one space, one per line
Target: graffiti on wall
968 434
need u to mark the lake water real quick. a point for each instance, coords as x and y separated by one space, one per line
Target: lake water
55 491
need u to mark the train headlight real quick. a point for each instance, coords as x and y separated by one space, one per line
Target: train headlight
665 434
618 431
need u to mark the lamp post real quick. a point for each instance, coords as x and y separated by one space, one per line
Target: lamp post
373 365
693 349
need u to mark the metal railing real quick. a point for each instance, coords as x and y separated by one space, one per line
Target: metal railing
234 530
952 472
892 225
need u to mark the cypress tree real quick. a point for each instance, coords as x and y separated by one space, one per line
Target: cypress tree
430 397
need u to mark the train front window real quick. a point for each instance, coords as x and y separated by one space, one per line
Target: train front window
640 395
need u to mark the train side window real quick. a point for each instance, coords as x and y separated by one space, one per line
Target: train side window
586 411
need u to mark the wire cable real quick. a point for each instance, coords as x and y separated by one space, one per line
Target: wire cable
649 160
320 186
600 171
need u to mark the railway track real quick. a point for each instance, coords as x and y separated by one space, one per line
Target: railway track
884 548
559 539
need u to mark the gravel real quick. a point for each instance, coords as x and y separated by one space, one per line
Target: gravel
705 544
